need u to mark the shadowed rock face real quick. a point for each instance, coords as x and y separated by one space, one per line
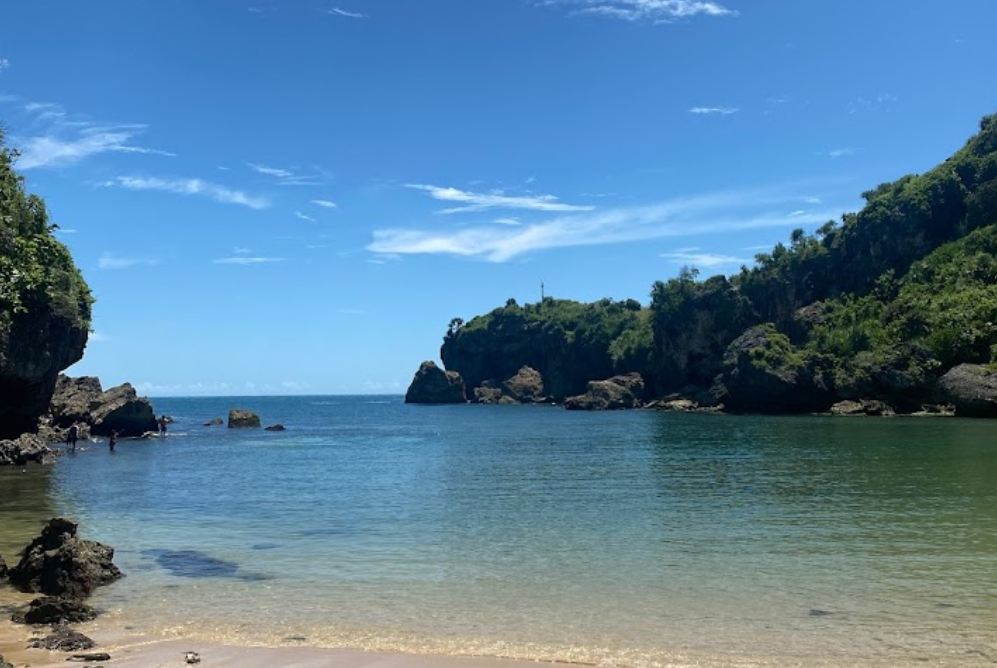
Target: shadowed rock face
56 610
59 563
83 401
34 351
972 388
433 385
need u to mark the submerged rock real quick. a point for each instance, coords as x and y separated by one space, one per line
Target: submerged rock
25 448
214 422
276 427
59 563
972 389
56 610
64 639
433 385
240 419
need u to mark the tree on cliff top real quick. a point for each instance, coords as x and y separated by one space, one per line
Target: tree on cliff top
37 274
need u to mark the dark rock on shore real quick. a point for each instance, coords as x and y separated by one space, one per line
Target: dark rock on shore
3 568
55 610
59 563
618 392
64 639
240 419
82 400
764 373
5 664
972 389
276 427
26 448
433 385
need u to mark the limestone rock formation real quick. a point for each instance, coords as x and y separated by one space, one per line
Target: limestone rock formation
242 419
526 387
23 449
615 393
59 563
764 373
83 401
972 388
433 385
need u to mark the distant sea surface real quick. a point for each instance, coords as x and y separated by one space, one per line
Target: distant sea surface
626 538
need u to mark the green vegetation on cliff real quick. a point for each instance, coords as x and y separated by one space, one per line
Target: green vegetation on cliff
36 270
877 306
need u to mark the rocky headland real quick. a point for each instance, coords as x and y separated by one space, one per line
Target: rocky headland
890 311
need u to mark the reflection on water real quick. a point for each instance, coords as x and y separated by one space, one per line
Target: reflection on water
25 505
633 538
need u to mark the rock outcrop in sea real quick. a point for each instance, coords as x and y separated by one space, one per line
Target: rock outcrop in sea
83 401
242 419
433 385
59 563
618 392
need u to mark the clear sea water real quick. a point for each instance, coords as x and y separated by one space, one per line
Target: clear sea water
627 539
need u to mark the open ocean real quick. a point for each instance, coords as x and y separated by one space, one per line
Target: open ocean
627 538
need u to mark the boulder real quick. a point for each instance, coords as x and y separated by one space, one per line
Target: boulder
25 448
82 401
5 664
3 568
433 385
63 639
59 563
276 427
862 407
56 610
677 405
764 373
241 419
526 387
488 395
214 422
618 392
972 389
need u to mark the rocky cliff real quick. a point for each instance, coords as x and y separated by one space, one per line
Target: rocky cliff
44 305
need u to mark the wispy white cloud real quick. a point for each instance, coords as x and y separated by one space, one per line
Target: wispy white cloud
97 336
798 212
692 256
324 203
301 216
713 111
653 11
350 15
4 64
60 148
238 250
109 261
880 103
198 187
287 177
507 221
812 200
270 171
712 213
495 200
247 260
843 152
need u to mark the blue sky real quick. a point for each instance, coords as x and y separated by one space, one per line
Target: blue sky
296 197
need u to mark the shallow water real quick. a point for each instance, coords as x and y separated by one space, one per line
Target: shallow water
633 538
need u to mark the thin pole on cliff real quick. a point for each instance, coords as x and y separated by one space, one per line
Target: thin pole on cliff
541 292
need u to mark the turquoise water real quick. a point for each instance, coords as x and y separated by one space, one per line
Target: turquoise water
633 538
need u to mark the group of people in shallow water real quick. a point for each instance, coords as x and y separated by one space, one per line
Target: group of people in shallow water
73 435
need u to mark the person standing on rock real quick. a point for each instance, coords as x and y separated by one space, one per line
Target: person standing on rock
113 439
71 437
